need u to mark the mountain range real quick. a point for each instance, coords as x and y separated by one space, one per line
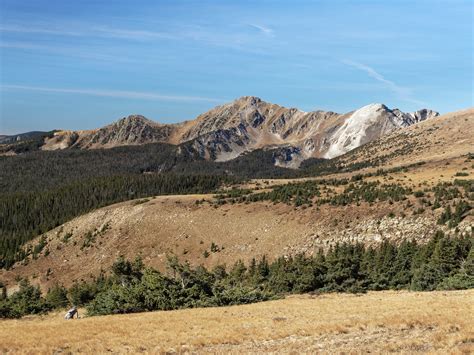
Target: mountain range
244 125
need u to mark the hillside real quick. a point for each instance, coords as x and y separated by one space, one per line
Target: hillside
188 226
377 322
382 195
247 124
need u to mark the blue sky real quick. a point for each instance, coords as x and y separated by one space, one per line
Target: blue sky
83 64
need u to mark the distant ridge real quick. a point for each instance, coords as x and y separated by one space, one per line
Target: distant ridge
249 123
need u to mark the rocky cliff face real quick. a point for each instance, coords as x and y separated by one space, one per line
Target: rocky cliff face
407 119
249 123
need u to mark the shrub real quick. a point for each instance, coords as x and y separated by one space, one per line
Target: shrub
27 300
419 194
460 281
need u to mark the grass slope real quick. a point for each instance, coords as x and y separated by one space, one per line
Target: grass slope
434 322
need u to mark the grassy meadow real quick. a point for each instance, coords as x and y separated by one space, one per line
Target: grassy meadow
386 321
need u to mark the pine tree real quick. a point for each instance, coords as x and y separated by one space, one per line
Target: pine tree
402 265
57 297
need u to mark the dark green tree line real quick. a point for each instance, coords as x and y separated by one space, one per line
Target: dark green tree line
441 264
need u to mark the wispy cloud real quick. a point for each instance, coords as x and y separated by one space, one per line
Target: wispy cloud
263 29
132 34
89 31
402 92
67 51
38 30
232 37
113 93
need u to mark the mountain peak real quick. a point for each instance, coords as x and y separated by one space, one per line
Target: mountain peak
134 119
247 101
407 119
250 99
424 114
130 130
374 107
367 124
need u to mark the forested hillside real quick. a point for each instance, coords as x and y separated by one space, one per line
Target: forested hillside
43 189
23 143
24 215
44 169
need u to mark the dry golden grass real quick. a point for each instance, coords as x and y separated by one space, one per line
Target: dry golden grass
436 322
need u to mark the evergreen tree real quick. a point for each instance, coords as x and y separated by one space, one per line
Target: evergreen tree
57 297
402 265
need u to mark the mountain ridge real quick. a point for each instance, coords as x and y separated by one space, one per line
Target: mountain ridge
249 123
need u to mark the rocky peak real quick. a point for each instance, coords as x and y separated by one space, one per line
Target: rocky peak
130 130
369 110
249 100
424 114
134 120
407 119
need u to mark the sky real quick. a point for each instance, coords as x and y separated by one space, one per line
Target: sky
84 64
